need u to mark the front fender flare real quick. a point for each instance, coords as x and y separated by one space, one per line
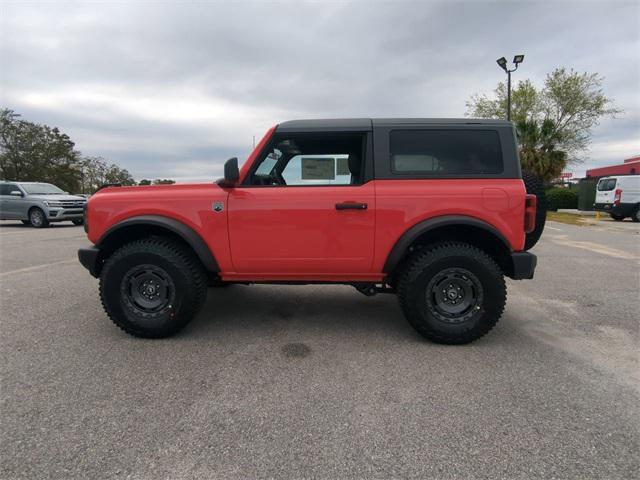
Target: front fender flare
190 236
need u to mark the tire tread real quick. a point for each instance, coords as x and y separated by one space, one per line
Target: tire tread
421 260
180 258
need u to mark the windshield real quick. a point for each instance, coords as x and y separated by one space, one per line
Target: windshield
41 189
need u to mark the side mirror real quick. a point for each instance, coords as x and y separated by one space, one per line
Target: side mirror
231 172
15 193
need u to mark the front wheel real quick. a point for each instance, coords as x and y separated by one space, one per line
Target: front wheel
37 218
617 218
152 288
452 293
77 221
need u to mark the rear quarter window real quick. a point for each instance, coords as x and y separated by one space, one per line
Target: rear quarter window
445 152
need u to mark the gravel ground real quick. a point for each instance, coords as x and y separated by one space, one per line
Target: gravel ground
320 381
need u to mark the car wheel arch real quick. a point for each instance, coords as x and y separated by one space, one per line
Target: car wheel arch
450 227
134 228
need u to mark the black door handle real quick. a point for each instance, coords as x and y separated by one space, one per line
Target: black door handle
351 206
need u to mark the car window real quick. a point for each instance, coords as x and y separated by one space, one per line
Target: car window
311 159
6 189
41 188
606 184
266 167
445 152
317 170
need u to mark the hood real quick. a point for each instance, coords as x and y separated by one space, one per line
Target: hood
55 197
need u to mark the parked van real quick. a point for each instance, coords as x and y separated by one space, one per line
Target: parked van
619 196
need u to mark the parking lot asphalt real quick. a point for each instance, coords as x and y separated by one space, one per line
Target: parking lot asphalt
320 381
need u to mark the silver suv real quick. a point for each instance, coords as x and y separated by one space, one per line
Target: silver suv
38 204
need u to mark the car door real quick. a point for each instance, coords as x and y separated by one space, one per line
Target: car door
605 190
10 204
308 213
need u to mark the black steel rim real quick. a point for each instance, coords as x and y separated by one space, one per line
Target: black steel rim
454 295
148 290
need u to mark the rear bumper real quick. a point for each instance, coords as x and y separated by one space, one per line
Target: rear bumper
89 259
624 209
523 265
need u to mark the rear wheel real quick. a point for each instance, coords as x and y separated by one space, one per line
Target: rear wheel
152 288
37 218
617 218
452 293
533 184
636 216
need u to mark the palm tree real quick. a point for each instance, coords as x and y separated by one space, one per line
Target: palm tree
538 152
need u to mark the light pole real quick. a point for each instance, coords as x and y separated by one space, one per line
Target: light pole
517 60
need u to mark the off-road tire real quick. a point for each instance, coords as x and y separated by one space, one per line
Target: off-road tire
184 272
428 264
78 221
534 185
617 218
37 218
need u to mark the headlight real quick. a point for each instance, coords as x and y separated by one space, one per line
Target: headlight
52 203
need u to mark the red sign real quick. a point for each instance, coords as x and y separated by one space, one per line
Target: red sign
566 175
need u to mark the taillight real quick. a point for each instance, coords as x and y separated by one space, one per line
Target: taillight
617 196
530 204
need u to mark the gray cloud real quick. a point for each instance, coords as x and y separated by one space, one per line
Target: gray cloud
171 90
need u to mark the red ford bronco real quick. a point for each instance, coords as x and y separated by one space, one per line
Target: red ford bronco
433 210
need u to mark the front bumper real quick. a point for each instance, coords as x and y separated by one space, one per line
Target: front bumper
61 214
523 265
89 258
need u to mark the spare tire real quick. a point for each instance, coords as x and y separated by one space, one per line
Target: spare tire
534 184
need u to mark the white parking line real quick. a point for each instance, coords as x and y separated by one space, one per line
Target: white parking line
592 247
36 267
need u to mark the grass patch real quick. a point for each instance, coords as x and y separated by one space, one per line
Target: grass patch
570 218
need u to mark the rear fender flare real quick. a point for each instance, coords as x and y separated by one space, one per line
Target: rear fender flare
411 235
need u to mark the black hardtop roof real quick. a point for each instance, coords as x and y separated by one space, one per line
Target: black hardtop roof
337 124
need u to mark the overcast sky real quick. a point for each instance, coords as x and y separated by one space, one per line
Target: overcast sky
171 90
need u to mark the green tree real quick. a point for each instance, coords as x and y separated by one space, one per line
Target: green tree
526 103
563 111
144 182
538 152
163 181
33 152
96 171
